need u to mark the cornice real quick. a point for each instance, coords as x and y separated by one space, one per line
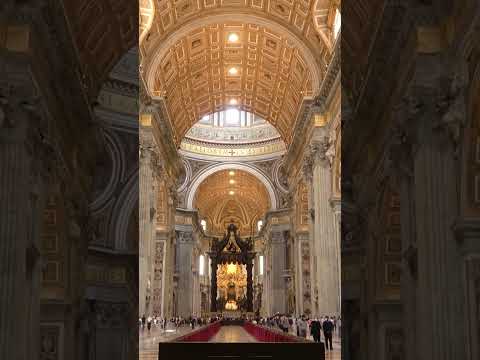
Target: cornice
164 137
121 88
332 77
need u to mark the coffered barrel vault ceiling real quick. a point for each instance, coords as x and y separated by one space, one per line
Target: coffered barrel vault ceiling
296 15
103 32
225 196
271 78
279 58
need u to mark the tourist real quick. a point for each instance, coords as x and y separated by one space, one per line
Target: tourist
302 327
285 324
315 329
149 323
327 332
143 321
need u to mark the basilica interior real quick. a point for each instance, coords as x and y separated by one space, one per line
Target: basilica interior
240 126
190 158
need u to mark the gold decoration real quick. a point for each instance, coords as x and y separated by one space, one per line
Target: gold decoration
231 283
194 76
215 203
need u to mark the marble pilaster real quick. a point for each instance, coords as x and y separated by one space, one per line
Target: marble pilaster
439 271
277 258
185 252
21 185
148 171
325 245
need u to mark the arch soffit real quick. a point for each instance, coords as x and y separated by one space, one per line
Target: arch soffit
117 157
197 181
146 15
124 207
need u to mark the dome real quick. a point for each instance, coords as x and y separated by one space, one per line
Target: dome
232 133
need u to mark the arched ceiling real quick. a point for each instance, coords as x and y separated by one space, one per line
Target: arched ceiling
272 79
281 57
146 13
103 32
295 15
358 34
324 17
216 202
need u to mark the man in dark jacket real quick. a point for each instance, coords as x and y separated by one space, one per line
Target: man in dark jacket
327 332
315 330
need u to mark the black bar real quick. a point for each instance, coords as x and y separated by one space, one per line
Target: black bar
258 350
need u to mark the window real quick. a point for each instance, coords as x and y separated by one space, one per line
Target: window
205 120
337 23
259 225
232 117
203 223
260 265
201 265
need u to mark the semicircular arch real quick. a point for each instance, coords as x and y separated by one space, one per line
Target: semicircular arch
199 178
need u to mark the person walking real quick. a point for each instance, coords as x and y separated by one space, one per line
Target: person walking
315 330
327 332
302 327
149 323
285 324
144 320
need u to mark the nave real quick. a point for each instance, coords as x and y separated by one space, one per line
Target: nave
149 341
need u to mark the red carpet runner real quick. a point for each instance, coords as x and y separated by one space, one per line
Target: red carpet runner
204 334
260 333
263 334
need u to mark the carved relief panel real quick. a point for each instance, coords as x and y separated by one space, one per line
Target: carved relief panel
52 250
158 269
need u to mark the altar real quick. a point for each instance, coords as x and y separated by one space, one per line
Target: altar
232 280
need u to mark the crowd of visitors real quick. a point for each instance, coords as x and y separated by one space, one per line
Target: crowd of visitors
301 326
304 326
172 323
